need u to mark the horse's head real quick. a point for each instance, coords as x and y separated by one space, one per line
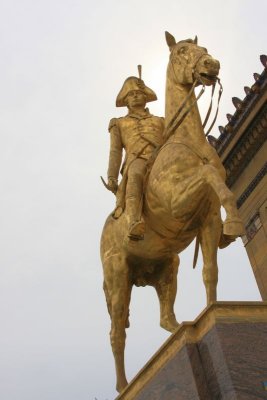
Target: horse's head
190 62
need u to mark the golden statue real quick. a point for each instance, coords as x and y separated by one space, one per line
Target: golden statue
183 194
139 133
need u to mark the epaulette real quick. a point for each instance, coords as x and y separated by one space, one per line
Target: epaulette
112 123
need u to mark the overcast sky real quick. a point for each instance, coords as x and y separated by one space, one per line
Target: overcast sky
62 66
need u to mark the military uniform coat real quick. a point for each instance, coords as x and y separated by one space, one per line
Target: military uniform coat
138 135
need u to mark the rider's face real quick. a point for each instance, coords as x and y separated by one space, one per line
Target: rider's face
136 98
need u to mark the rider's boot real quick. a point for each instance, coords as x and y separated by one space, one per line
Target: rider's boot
137 230
134 199
135 221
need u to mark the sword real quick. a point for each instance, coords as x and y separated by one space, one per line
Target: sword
107 186
104 183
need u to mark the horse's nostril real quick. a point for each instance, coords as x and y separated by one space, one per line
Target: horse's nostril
210 63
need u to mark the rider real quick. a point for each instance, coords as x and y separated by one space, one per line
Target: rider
138 133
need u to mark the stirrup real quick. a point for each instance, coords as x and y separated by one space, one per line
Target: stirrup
136 231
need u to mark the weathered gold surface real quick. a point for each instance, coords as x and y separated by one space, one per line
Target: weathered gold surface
183 195
245 160
193 332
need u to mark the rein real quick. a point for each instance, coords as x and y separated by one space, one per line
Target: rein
176 120
217 109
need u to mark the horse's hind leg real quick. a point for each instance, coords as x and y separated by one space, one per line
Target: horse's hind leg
209 239
118 290
108 299
166 287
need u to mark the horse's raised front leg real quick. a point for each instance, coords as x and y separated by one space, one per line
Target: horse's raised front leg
118 291
166 287
209 235
233 225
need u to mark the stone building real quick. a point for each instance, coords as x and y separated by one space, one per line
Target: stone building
243 149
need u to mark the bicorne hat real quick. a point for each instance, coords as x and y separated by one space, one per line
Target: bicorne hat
134 83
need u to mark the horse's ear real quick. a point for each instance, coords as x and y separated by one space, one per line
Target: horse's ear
195 40
170 40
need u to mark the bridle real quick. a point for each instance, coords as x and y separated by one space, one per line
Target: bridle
177 119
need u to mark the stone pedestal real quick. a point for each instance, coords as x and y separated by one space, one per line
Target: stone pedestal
222 355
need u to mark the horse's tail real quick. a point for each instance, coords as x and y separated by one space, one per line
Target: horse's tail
196 252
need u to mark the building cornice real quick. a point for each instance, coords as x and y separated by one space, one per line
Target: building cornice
254 95
246 147
253 184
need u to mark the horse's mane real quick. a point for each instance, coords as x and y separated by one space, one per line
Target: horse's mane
186 41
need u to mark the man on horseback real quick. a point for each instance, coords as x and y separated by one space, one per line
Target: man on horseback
138 133
184 193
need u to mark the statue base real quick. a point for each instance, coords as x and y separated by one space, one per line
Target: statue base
221 355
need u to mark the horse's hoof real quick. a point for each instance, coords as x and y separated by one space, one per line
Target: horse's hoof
225 240
169 326
121 386
210 302
233 227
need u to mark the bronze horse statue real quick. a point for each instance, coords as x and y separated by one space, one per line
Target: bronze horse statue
183 196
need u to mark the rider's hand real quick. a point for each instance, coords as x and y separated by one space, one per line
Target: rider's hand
112 184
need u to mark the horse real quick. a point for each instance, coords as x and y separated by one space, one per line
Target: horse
183 196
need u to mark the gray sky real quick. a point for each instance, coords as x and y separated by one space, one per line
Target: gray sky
62 65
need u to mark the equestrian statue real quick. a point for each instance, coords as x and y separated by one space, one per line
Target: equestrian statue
171 192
